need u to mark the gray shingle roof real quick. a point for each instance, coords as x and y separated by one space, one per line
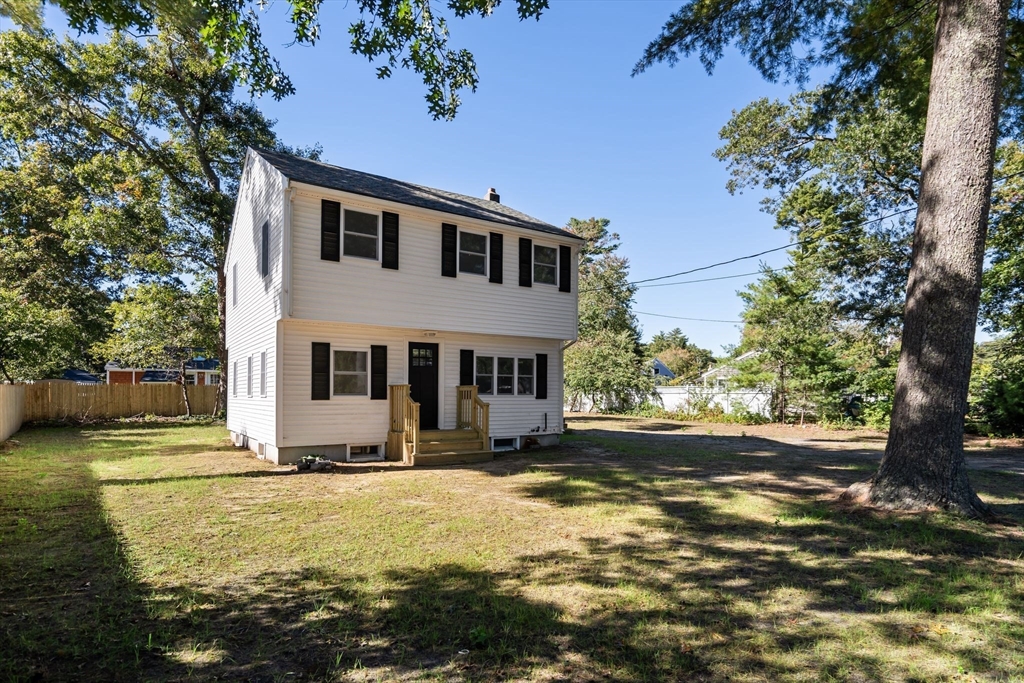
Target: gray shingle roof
379 187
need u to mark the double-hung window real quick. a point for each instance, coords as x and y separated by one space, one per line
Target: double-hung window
350 373
545 264
248 375
485 374
504 375
524 376
263 373
361 233
472 253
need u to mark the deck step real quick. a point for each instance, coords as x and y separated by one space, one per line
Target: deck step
448 435
452 458
451 446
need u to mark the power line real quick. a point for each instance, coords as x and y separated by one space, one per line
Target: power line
707 279
676 317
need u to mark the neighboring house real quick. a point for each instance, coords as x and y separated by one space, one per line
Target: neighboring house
720 375
356 303
662 375
198 371
80 377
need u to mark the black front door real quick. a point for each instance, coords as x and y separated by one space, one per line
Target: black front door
423 362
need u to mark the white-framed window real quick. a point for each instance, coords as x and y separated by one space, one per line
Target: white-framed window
234 284
234 378
505 375
485 374
545 265
263 373
361 234
509 443
472 253
213 378
190 379
248 377
351 373
524 376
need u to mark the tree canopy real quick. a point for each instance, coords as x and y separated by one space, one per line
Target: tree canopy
407 34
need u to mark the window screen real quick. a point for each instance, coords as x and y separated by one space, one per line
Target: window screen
350 373
360 234
472 253
545 265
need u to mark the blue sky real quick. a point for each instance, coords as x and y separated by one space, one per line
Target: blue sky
562 130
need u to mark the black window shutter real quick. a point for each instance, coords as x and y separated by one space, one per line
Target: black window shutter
497 262
321 371
379 373
389 235
542 375
564 269
466 377
449 249
265 249
525 262
330 230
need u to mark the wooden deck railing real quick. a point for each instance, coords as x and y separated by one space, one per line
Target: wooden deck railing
404 435
473 413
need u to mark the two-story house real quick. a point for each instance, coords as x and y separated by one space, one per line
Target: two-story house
369 318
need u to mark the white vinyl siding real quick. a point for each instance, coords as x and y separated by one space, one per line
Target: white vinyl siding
312 423
416 295
257 302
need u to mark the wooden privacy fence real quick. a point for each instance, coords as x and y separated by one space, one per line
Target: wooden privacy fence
12 409
67 400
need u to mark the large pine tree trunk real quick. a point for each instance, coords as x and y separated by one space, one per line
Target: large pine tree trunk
924 465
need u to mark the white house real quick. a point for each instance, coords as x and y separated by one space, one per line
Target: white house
369 318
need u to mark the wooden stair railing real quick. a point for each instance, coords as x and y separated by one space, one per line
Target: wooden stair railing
404 435
474 414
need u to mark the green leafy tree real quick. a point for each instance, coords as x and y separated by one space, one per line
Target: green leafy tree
955 50
155 134
35 341
44 267
685 359
606 366
163 325
997 388
408 34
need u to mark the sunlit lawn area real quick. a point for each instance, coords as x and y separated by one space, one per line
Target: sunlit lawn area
640 550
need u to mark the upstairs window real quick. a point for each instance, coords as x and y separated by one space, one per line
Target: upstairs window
361 234
265 249
350 376
472 253
545 265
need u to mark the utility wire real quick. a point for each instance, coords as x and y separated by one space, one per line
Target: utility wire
707 279
676 317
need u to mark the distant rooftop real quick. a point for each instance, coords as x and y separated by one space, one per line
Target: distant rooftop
401 192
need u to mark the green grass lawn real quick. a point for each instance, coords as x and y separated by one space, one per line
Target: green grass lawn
637 551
